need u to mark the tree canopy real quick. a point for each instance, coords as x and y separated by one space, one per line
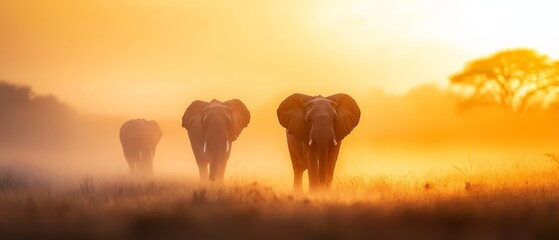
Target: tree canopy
514 79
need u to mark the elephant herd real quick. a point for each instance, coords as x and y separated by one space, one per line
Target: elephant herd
315 127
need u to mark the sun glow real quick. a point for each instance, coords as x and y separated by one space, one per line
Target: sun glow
424 159
490 25
146 59
188 49
478 25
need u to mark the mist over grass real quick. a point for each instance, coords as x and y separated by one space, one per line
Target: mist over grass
515 203
421 165
427 125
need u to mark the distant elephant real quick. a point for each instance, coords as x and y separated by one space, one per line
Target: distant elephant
139 138
315 129
212 127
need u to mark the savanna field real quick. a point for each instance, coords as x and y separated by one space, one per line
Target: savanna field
516 201
415 119
428 164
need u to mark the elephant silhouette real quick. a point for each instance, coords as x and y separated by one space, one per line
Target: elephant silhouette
315 127
212 127
139 138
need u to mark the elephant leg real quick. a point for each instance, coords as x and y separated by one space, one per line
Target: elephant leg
145 165
332 158
220 173
146 168
213 171
222 165
132 167
203 170
298 169
314 178
200 156
132 156
298 161
298 179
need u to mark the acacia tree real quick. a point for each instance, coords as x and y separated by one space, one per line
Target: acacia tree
514 79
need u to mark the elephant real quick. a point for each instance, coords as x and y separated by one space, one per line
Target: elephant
212 127
139 138
315 127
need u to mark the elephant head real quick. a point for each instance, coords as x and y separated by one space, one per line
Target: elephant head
139 138
212 127
320 124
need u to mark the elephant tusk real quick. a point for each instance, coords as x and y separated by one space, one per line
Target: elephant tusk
205 144
335 142
227 148
310 142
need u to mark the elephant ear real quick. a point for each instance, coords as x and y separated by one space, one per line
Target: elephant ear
240 117
348 115
193 113
156 129
291 115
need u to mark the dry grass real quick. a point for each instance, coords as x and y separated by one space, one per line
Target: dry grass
520 202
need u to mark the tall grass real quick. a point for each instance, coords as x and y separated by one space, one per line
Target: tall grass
518 201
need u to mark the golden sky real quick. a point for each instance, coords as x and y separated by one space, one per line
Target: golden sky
150 58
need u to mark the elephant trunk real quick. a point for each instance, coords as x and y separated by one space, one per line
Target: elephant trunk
322 134
323 159
217 148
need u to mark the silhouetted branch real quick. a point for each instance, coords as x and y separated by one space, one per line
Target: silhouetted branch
511 78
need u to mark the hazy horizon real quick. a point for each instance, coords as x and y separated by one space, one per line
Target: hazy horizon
145 58
456 136
114 61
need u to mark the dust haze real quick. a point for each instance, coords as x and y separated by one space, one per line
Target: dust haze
452 142
429 130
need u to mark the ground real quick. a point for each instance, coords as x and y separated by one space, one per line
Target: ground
359 207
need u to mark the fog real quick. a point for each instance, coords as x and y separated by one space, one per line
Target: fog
424 159
429 129
107 62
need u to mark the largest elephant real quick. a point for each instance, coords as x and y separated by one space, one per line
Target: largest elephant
315 127
139 138
212 127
